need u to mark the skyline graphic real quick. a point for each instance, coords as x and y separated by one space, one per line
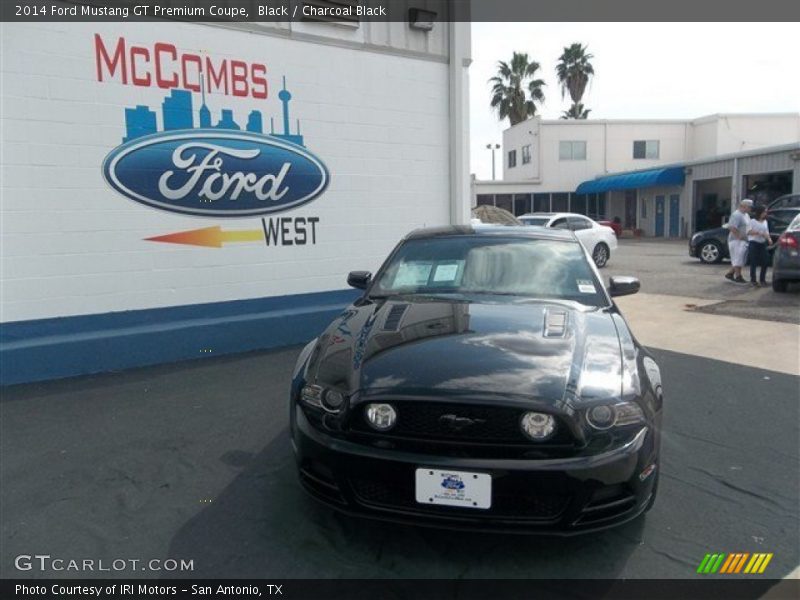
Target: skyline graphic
177 112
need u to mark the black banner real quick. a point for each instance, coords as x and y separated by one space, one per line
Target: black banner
416 589
420 12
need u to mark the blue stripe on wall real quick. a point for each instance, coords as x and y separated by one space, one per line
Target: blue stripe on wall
66 346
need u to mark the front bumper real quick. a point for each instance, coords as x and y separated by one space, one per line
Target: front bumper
558 496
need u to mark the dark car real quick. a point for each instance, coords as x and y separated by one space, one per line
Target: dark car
786 261
711 245
485 379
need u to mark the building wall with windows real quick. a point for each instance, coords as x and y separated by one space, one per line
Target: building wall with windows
563 154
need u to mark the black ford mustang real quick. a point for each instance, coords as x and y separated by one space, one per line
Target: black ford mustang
485 379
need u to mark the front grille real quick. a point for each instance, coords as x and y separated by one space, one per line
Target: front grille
507 502
423 420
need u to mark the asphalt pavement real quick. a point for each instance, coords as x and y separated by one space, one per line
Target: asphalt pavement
193 461
665 267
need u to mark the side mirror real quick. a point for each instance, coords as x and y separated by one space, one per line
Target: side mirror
359 279
623 286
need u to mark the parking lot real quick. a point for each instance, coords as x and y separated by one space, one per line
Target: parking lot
193 460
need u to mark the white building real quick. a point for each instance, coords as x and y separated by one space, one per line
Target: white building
638 170
314 148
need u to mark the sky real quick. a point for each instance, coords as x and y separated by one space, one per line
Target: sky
642 70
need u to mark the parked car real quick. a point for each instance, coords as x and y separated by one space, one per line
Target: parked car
711 245
598 239
484 379
786 261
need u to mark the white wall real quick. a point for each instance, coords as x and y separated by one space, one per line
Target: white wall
737 133
610 145
71 245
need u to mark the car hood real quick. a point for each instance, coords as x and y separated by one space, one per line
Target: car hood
547 351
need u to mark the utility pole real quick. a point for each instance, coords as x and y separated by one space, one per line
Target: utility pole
493 148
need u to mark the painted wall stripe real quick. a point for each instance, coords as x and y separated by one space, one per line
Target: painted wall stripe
52 348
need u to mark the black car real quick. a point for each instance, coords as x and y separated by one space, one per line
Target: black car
786 261
485 379
711 245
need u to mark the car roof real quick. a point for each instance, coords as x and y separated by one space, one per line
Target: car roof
551 215
538 233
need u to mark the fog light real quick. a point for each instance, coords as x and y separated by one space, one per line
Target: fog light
381 416
332 400
601 417
538 426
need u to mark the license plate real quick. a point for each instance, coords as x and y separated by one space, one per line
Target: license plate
454 488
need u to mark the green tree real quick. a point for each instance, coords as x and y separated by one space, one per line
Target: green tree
574 70
576 111
515 89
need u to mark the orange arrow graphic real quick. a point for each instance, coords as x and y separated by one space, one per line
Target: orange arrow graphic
212 237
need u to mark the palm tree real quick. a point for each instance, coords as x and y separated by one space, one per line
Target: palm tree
576 111
509 87
574 72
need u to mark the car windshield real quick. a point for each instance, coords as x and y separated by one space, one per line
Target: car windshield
540 221
510 268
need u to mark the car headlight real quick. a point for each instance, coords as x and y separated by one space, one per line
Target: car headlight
605 416
381 416
327 399
537 426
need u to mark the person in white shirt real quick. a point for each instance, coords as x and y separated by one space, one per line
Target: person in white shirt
737 240
758 240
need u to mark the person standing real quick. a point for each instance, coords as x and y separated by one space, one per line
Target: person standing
737 240
758 240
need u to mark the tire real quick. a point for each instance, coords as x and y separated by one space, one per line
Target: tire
710 252
779 285
600 255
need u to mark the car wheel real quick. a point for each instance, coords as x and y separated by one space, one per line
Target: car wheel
601 255
779 285
710 252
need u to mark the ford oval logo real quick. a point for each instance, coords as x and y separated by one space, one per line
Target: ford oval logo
215 173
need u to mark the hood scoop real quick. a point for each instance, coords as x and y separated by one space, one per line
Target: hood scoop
555 323
394 317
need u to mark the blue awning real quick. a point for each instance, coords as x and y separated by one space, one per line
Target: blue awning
632 181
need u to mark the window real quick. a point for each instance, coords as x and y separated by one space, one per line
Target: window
572 150
644 208
560 223
578 223
541 203
561 202
504 201
579 204
503 266
485 199
522 204
646 149
526 154
512 158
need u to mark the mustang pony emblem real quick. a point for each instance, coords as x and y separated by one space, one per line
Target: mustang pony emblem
459 423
